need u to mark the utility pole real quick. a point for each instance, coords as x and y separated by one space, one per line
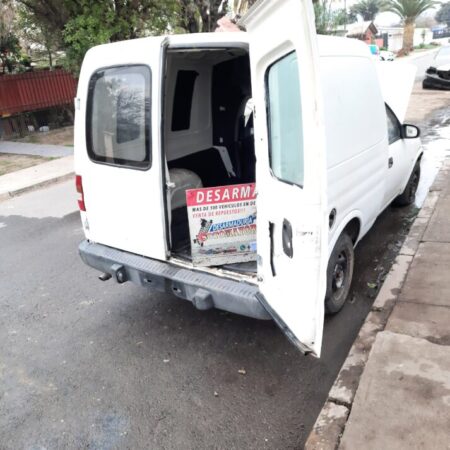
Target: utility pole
345 23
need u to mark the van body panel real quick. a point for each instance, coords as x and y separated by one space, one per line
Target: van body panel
398 166
292 227
356 185
114 216
345 154
356 133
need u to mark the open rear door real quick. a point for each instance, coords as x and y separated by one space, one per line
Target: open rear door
291 167
117 146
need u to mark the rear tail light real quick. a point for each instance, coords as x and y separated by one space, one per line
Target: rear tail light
79 186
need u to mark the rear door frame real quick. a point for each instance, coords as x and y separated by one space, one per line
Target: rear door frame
292 275
121 202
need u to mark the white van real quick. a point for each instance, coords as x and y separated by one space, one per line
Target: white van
303 117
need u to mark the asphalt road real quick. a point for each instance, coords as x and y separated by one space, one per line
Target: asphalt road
422 63
86 364
92 365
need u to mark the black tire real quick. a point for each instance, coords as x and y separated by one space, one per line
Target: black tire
339 274
408 196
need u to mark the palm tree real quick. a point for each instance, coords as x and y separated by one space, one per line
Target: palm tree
367 9
241 6
409 10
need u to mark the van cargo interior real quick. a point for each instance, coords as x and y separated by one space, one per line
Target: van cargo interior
208 133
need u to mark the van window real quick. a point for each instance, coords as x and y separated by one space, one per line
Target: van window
393 126
182 100
285 120
118 116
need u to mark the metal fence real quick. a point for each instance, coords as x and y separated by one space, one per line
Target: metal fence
32 91
441 34
21 125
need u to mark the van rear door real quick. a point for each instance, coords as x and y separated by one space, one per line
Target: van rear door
117 146
291 169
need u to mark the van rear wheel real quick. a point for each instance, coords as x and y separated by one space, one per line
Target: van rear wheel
339 274
408 196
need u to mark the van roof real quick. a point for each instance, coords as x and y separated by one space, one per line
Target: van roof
342 46
328 45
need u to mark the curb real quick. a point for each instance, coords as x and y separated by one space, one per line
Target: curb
417 55
330 424
10 194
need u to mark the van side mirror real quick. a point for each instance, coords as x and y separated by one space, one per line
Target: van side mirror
410 131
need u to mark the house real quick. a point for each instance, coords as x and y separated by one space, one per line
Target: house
393 37
364 31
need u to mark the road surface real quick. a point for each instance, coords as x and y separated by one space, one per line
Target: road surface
422 63
92 365
86 364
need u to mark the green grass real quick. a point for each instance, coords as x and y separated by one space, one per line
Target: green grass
11 163
424 46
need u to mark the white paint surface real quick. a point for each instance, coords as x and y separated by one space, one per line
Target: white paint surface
297 289
125 207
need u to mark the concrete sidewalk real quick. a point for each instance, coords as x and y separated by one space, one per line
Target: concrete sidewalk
393 391
417 54
45 150
24 180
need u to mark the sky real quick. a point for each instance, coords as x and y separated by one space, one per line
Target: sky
384 19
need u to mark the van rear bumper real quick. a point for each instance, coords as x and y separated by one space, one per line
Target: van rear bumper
204 290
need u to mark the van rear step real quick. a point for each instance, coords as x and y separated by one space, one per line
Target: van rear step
204 290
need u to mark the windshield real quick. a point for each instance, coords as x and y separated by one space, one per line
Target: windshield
443 56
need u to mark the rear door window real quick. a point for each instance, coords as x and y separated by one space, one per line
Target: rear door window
118 116
285 120
182 103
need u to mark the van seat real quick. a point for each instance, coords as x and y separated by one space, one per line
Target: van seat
182 179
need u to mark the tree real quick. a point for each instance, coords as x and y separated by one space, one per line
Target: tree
9 51
210 12
39 36
409 10
426 20
197 16
78 25
443 15
328 19
240 7
51 15
367 9
9 42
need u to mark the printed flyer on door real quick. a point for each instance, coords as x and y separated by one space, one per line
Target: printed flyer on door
222 224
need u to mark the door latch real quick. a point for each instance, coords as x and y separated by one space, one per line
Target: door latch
287 238
272 250
390 162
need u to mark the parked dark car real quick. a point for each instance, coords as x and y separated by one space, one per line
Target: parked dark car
438 74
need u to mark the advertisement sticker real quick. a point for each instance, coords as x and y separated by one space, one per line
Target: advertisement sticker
222 224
